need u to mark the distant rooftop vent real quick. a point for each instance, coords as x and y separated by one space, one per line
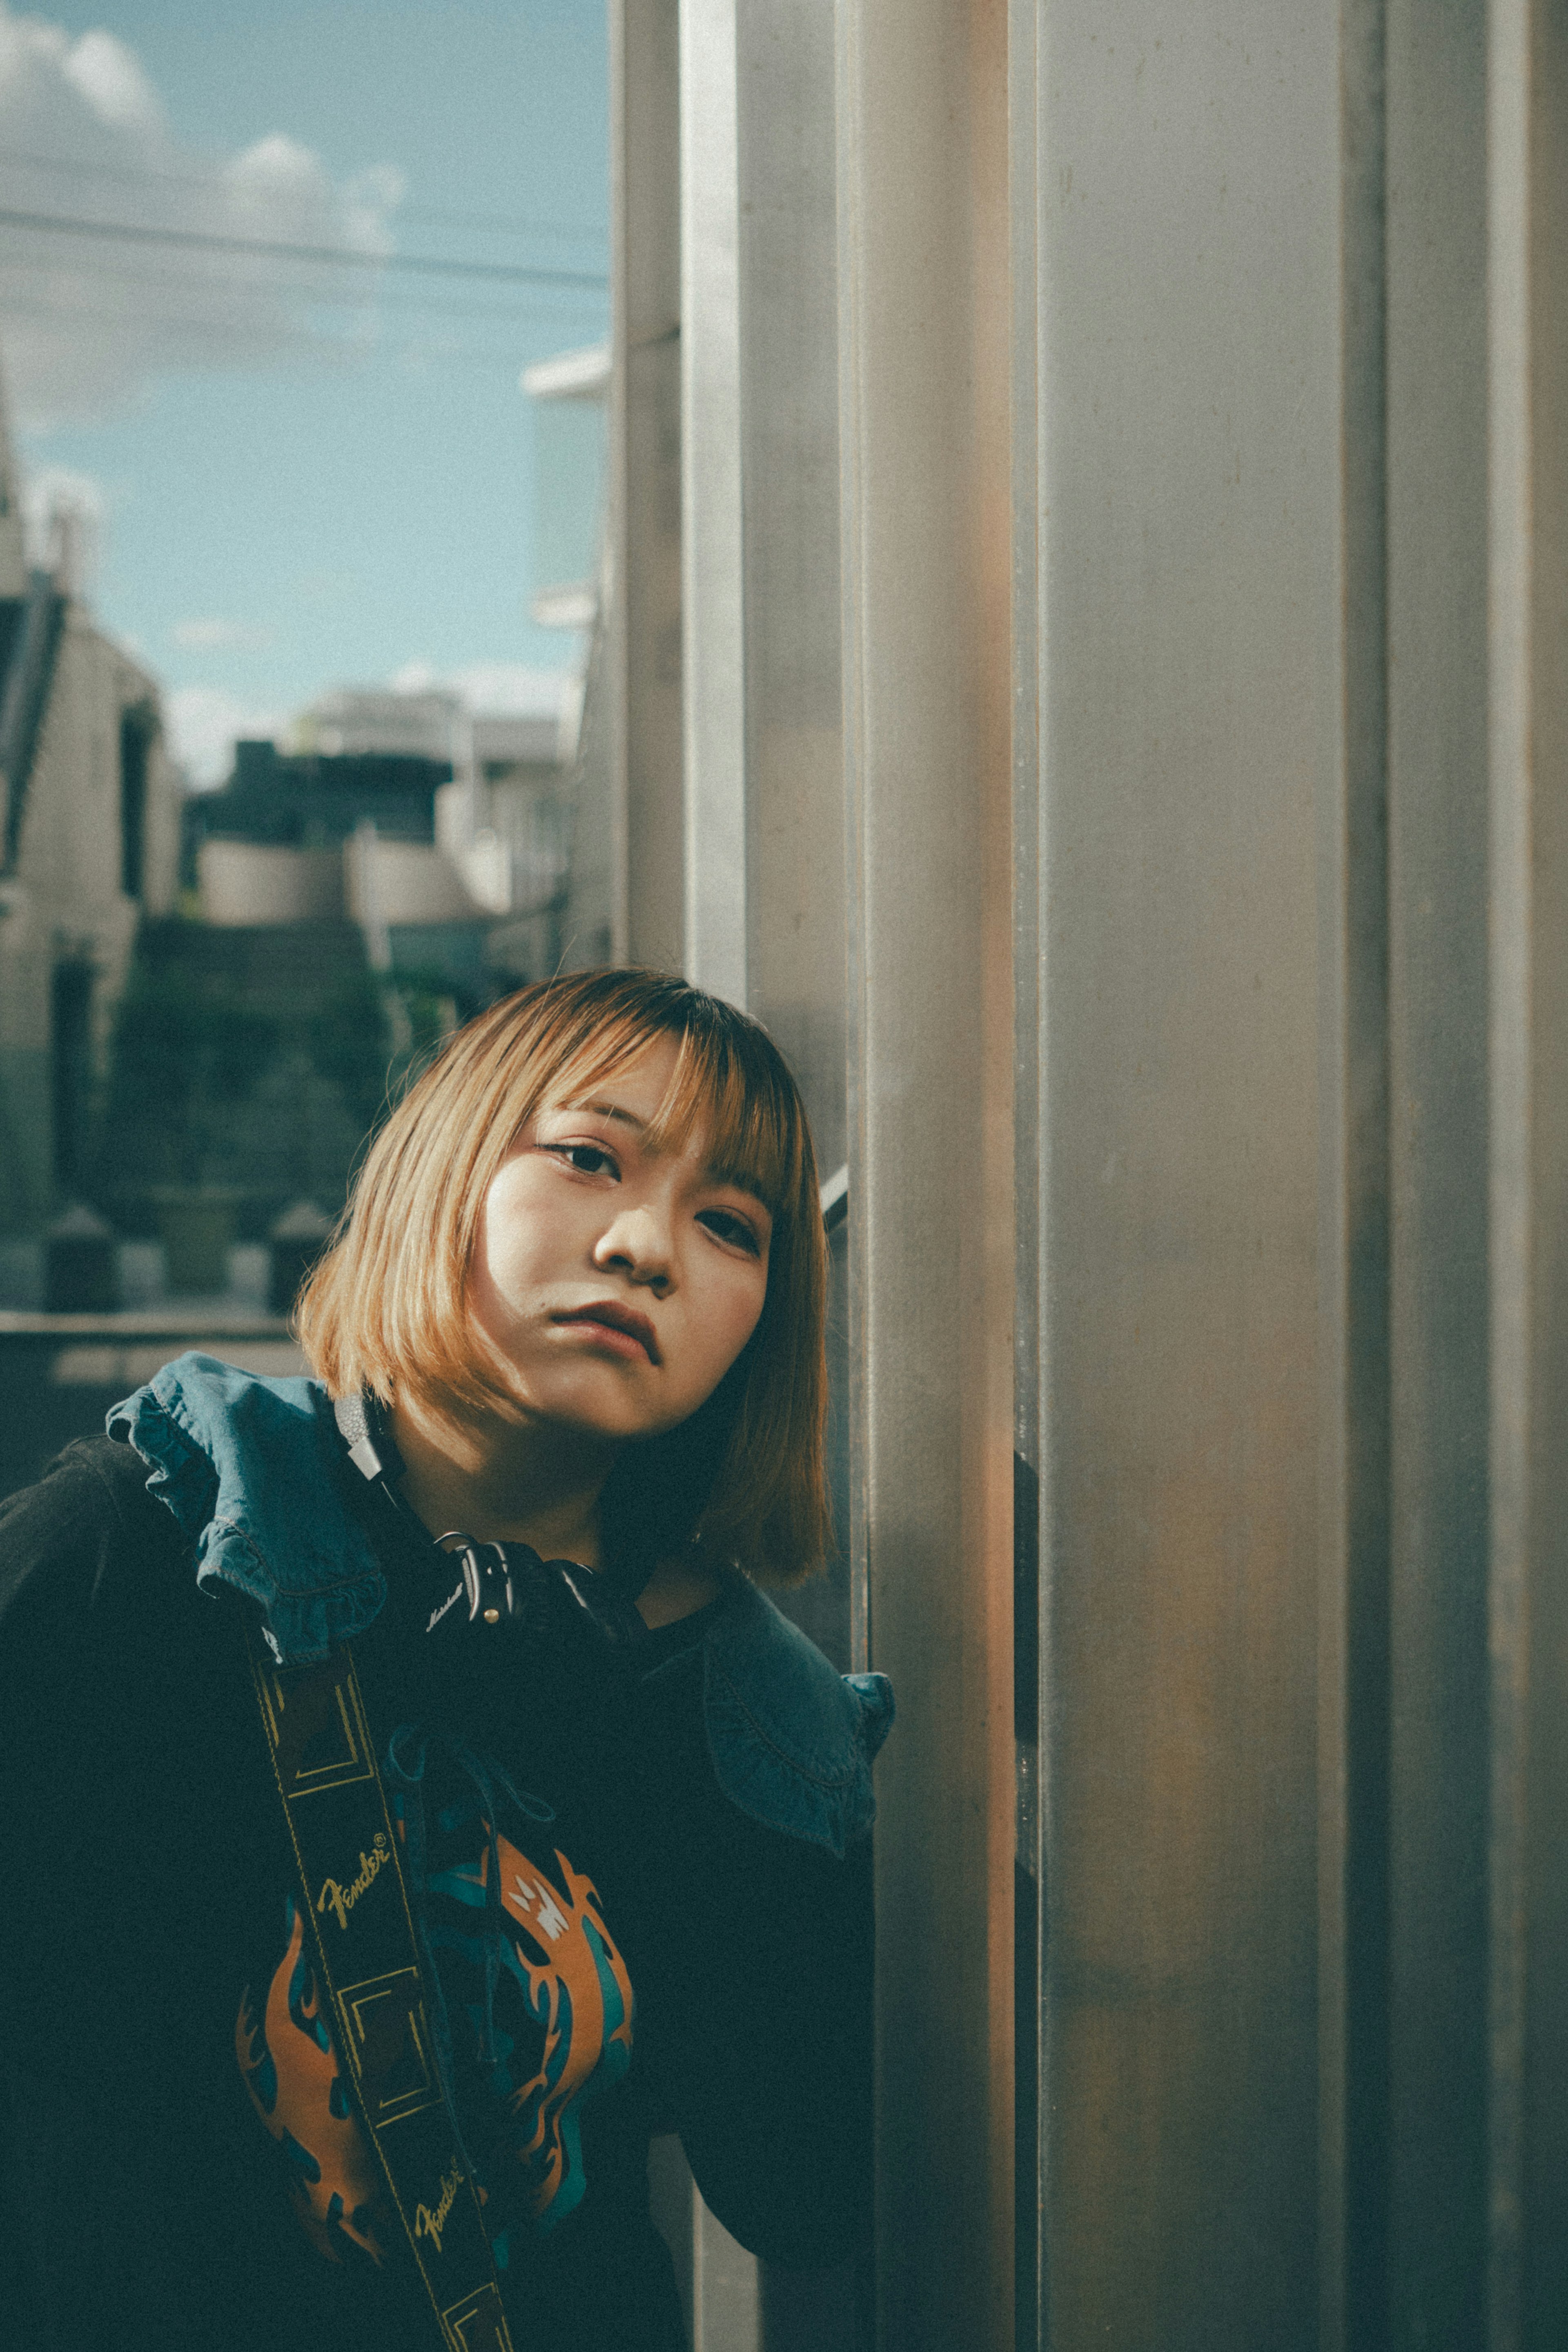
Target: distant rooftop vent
369 719
570 376
576 607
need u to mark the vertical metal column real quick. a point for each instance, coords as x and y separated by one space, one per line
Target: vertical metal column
1031 2185
794 745
760 652
1437 428
713 550
642 652
1181 334
1361 293
725 2303
1527 286
923 435
1353 1280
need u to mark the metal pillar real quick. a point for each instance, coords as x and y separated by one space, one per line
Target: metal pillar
794 814
643 649
713 612
1176 382
1527 289
1292 338
1286 1766
763 803
1435 304
794 737
921 185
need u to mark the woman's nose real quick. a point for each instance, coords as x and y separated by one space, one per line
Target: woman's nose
639 1242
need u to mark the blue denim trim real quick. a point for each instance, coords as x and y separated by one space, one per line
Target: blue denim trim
248 1467
791 1740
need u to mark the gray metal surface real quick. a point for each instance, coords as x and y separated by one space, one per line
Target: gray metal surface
763 803
1353 1280
923 435
794 763
763 764
712 611
1299 380
796 949
725 2293
1436 427
1189 696
1031 2187
1220 1843
641 652
1527 286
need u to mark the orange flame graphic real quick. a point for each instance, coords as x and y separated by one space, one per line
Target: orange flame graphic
341 2195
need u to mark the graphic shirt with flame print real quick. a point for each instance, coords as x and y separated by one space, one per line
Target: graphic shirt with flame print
540 2008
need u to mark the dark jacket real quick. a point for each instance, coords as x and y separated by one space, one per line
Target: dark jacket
149 1986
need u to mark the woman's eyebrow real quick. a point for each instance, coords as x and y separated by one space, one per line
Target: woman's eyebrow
610 1110
736 1180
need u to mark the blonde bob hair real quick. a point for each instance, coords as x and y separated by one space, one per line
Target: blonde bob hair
387 1308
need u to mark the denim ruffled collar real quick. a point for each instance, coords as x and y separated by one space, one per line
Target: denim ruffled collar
249 1469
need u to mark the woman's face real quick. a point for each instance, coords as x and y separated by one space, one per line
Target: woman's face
619 1283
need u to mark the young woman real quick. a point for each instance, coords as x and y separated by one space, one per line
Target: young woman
409 1803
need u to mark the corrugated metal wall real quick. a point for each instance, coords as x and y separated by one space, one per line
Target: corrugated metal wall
1166 415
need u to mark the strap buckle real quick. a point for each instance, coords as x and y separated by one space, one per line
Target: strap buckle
486 1581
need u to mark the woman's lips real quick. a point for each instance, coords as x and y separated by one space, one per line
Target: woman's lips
622 1329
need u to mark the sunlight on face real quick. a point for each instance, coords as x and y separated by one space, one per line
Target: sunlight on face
619 1283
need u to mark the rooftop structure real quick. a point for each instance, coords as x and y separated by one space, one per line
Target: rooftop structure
310 799
446 835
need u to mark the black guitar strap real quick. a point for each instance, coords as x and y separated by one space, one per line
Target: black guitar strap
367 1959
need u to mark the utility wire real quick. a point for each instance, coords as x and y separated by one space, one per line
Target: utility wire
494 222
196 240
217 330
278 290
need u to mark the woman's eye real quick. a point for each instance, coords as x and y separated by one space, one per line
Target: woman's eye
731 1228
587 1159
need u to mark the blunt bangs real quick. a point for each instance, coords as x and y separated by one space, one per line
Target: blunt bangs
757 1126
387 1306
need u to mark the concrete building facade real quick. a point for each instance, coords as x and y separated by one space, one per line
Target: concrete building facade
445 834
89 842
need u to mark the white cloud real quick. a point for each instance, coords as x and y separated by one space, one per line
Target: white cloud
111 80
216 636
204 722
493 690
85 324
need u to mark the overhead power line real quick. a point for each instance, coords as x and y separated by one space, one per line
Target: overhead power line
129 271
493 222
266 249
230 330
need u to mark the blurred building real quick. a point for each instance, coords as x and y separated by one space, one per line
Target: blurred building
380 723
314 799
89 842
508 823
446 835
249 1061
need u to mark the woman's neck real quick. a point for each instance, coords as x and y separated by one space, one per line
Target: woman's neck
504 1483
534 1483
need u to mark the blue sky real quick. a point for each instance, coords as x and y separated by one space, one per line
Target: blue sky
303 478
